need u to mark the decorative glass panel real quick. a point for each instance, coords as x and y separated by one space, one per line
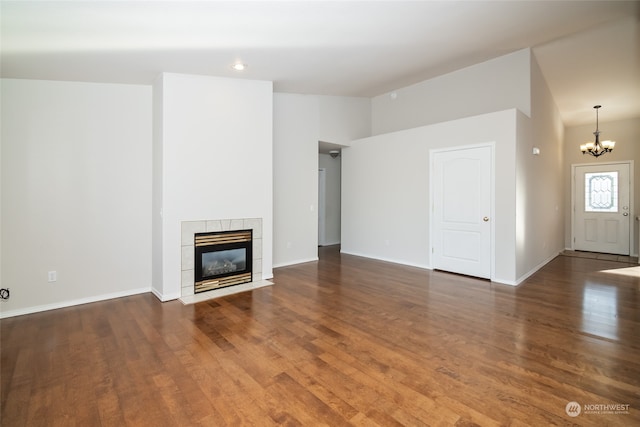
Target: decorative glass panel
601 192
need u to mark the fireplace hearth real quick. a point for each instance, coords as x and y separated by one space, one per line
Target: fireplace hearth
222 259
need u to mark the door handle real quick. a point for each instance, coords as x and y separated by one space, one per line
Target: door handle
625 214
485 219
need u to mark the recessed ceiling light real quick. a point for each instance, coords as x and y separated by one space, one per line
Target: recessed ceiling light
239 66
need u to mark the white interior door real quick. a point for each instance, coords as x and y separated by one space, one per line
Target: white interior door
602 208
461 223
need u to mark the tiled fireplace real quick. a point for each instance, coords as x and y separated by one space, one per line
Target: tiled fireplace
190 229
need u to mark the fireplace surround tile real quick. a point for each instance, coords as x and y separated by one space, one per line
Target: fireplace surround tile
236 224
215 225
257 249
257 266
190 228
254 224
187 280
187 257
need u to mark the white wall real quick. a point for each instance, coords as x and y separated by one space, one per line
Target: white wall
216 162
385 190
295 178
626 133
157 279
385 178
343 119
300 121
499 84
76 192
332 167
532 234
539 197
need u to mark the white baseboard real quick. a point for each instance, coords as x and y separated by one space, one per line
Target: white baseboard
165 297
298 261
504 281
395 261
534 269
426 267
635 254
71 303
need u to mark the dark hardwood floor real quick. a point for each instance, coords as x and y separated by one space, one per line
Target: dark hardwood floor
344 341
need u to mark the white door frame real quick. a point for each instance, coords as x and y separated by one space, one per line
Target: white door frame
432 226
632 213
322 206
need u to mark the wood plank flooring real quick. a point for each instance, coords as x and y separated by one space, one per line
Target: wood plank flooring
344 341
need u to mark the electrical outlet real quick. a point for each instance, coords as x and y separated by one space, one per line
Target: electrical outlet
53 276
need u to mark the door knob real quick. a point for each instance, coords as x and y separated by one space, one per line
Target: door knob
485 219
625 214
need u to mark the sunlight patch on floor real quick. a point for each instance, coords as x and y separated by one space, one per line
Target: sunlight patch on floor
625 271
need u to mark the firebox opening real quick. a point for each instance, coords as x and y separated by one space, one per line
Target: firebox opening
222 259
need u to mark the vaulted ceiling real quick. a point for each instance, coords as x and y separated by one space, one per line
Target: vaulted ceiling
589 51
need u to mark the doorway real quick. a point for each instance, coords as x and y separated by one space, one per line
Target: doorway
329 198
462 210
602 207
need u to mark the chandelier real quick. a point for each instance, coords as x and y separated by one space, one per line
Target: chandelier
597 149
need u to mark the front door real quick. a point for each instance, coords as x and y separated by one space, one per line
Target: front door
461 223
602 210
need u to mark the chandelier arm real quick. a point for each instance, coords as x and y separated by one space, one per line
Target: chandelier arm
596 149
